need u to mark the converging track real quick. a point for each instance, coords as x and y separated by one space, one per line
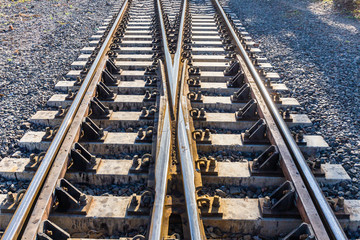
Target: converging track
172 125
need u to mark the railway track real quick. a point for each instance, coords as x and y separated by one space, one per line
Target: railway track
172 125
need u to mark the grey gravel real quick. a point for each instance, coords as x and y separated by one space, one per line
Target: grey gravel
46 37
316 52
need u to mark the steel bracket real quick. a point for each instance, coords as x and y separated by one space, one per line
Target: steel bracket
70 200
210 206
242 95
50 231
140 205
207 166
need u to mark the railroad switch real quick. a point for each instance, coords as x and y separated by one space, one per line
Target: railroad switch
150 97
70 96
35 161
242 95
194 82
98 110
207 166
202 137
145 135
238 80
257 134
70 200
140 205
338 206
50 231
210 206
91 132
304 231
233 68
149 113
195 96
104 93
82 160
141 165
11 201
248 112
151 81
61 112
198 114
267 164
49 134
281 203
109 79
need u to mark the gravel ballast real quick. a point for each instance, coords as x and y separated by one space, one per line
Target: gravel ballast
39 41
316 52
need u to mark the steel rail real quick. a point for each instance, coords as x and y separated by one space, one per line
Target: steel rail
22 212
187 168
172 67
161 169
327 215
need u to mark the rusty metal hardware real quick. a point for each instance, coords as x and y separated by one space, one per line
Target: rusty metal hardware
70 200
277 98
141 165
242 95
151 81
207 166
140 205
111 54
303 232
78 81
210 206
233 68
236 81
299 138
281 202
267 164
35 161
230 55
50 231
91 132
198 114
150 70
11 201
229 47
256 134
82 160
150 96
84 72
195 97
104 93
138 237
286 115
109 79
98 109
194 71
70 96
338 206
194 82
145 135
111 67
248 112
149 113
315 166
201 136
61 112
49 134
